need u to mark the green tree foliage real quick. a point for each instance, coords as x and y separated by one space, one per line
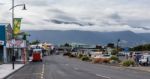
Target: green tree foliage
67 45
35 42
25 35
145 47
114 52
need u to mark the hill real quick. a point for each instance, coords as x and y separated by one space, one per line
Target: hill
127 38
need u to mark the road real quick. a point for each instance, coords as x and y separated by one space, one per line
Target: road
59 67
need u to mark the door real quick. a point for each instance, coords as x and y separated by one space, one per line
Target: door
1 53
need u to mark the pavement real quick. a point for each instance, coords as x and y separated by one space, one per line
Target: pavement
59 67
6 69
142 68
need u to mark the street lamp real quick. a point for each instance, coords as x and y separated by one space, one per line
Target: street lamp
12 8
118 45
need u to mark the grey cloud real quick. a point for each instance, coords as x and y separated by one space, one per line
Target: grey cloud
63 22
65 18
59 14
144 28
26 22
138 23
40 4
56 11
115 16
1 3
56 21
62 17
35 2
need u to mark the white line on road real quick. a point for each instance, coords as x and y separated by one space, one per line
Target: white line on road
67 64
42 73
102 76
76 68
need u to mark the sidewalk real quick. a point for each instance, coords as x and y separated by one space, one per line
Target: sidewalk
142 68
6 69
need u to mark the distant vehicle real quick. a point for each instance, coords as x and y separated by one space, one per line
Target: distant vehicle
37 55
145 60
107 56
121 53
60 51
137 53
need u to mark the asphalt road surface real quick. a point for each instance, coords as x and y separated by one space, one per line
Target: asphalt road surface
59 67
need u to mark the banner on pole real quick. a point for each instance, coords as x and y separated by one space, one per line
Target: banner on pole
17 25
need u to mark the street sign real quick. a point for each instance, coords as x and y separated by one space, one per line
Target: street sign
1 42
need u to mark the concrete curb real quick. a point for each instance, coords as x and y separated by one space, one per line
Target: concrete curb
143 70
15 71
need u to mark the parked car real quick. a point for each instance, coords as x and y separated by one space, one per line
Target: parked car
103 58
145 60
107 56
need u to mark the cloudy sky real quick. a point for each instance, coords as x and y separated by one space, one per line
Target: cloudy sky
88 15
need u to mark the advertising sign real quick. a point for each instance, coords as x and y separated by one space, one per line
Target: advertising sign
16 44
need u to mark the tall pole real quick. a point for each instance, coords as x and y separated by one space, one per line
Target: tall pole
118 45
13 35
13 56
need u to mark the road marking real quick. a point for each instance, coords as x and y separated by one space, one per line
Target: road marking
42 73
102 76
76 68
67 64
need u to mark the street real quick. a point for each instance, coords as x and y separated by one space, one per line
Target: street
59 67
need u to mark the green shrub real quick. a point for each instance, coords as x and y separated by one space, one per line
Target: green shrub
67 54
85 58
80 56
114 52
128 63
71 55
114 57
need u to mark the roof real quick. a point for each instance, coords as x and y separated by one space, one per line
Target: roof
5 24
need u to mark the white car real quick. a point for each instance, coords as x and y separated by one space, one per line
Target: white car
103 56
145 60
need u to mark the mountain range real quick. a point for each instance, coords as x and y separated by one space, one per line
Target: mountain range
127 38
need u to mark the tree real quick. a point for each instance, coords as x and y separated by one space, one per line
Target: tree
25 36
111 45
35 42
66 45
114 52
145 47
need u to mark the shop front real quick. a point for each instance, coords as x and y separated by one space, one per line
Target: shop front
19 48
2 42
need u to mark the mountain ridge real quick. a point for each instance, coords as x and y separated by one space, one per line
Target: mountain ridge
127 38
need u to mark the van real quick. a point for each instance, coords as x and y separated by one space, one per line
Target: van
37 55
144 60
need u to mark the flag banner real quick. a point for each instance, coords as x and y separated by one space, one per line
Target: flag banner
17 24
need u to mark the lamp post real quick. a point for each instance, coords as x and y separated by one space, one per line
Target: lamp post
13 37
118 45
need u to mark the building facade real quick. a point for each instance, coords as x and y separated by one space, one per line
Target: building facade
5 34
